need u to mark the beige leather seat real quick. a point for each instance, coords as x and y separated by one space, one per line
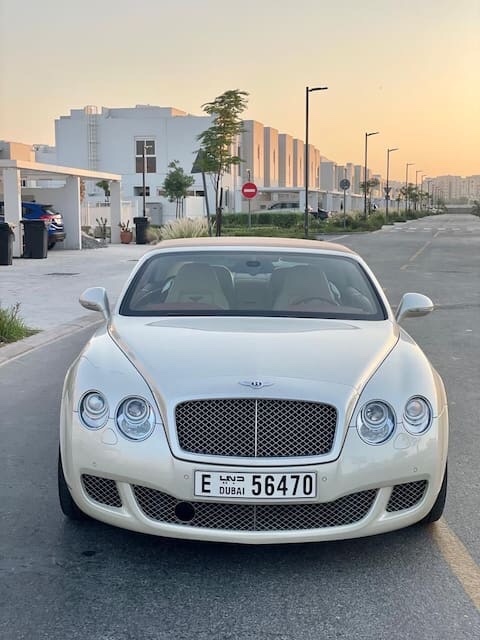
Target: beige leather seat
197 283
303 286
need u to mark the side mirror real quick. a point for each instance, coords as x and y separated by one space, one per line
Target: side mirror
413 305
96 299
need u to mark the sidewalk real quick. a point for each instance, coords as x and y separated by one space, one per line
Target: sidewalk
48 290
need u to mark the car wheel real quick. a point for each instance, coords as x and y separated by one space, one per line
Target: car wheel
51 245
437 509
67 504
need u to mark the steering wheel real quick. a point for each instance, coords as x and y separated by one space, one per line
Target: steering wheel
157 294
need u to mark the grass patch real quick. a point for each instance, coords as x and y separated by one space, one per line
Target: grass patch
12 326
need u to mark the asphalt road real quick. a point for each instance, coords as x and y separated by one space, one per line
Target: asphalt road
65 581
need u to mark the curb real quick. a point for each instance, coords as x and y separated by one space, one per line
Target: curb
16 349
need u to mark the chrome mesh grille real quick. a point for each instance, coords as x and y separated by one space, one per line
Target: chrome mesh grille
256 428
406 495
262 517
102 490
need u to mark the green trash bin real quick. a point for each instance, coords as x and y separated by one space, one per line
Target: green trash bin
35 239
6 243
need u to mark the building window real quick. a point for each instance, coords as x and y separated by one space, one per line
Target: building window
141 145
138 191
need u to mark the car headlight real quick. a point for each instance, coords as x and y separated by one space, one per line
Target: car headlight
375 422
135 418
94 410
417 416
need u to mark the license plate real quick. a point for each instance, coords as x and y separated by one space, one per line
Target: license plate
274 486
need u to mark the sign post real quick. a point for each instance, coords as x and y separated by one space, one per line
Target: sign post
344 184
249 191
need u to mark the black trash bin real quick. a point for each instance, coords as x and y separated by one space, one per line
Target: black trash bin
35 239
141 226
6 243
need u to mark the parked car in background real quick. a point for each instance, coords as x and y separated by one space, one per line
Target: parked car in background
290 206
253 390
53 220
321 214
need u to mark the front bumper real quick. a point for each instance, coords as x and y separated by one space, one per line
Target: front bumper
56 236
140 485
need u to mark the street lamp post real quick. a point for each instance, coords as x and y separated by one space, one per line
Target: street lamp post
416 186
408 164
144 171
367 135
421 190
308 90
387 195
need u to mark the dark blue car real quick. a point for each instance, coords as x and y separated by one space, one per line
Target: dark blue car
53 219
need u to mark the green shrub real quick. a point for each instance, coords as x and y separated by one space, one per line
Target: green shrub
153 234
184 228
12 326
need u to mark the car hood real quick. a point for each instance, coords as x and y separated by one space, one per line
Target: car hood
300 358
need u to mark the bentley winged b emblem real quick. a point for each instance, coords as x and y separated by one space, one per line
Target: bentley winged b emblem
256 384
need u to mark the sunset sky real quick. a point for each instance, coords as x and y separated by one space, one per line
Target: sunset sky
407 68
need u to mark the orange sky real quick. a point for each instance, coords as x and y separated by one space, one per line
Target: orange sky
406 68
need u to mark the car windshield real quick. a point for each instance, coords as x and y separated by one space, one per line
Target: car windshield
252 283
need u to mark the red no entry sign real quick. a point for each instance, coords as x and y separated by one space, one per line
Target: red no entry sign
249 190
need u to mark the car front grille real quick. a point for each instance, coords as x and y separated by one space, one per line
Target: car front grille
102 490
406 495
261 517
256 428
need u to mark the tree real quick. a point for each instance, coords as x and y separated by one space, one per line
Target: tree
105 185
176 185
372 184
476 208
82 190
217 141
410 194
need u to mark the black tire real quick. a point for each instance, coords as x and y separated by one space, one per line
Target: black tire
51 245
67 504
437 509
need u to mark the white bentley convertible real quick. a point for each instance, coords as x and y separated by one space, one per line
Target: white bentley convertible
253 390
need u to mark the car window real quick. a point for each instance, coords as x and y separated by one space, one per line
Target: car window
263 283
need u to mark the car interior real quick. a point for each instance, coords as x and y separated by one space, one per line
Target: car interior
252 285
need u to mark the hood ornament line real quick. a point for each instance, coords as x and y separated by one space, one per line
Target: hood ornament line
256 384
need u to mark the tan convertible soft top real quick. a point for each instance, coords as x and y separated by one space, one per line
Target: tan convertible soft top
249 241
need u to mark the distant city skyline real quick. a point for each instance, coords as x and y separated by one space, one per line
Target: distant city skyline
408 70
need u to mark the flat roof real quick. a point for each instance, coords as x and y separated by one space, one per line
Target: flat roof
52 171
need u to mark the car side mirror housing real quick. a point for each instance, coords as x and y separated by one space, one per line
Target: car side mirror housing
96 299
413 305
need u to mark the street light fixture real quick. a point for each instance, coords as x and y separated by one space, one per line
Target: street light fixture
308 91
367 135
416 186
408 164
387 195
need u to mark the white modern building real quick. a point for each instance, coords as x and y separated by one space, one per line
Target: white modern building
140 142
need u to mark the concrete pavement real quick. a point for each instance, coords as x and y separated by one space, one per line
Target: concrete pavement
48 290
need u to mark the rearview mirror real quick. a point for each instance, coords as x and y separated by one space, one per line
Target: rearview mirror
413 305
96 299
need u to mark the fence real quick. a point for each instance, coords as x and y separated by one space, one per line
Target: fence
90 212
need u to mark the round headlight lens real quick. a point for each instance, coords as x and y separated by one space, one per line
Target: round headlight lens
375 422
94 410
417 416
135 418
